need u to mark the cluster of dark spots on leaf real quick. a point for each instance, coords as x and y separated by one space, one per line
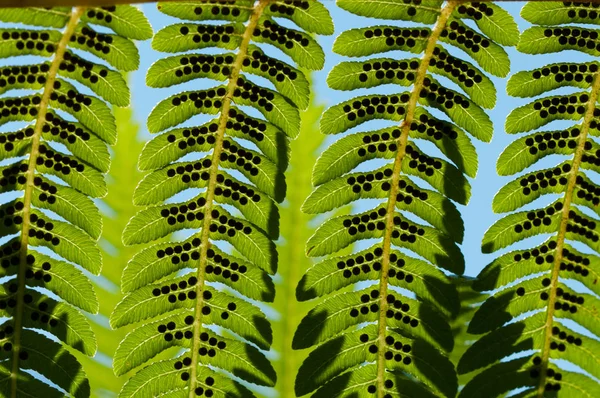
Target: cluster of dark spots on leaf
284 36
187 361
289 7
562 335
568 298
398 309
6 334
210 342
48 190
192 136
363 182
179 253
376 104
16 106
397 37
456 67
241 157
72 62
209 33
368 307
177 291
410 231
271 66
538 218
577 259
93 40
254 128
544 141
220 265
191 172
388 70
422 162
395 347
205 64
190 211
99 15
216 10
10 255
65 130
365 222
72 99
434 128
590 158
582 38
236 191
60 163
209 382
539 254
465 36
587 191
568 72
40 274
8 301
47 226
441 95
30 40
42 316
364 263
12 175
534 373
581 225
377 143
541 180
202 99
249 91
224 225
11 215
476 10
20 74
170 332
409 192
582 13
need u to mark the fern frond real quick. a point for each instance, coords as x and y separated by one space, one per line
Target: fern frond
404 350
237 161
536 284
54 182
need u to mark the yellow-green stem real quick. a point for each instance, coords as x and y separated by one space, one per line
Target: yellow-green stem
33 155
212 181
562 230
391 204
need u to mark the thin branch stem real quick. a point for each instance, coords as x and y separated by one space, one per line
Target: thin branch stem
391 204
212 182
562 230
33 156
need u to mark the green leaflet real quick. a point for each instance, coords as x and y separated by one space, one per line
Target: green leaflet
541 40
343 310
59 181
426 12
551 77
311 16
125 20
336 273
192 10
184 37
494 21
55 17
379 39
557 13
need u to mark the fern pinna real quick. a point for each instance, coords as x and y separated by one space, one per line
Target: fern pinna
538 281
171 286
403 349
43 256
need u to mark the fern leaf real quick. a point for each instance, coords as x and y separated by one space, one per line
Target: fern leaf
535 285
45 289
234 217
380 339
